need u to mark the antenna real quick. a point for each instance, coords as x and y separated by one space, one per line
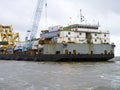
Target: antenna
81 16
98 24
70 20
46 11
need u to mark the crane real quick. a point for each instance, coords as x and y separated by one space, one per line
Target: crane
35 24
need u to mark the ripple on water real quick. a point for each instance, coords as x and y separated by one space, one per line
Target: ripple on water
1 79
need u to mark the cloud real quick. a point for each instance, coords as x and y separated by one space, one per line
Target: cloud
100 5
18 14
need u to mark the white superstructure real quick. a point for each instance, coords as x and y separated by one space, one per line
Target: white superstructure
77 33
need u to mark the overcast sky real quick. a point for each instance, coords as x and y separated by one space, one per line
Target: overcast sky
19 14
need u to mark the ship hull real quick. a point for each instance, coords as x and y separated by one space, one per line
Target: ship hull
61 57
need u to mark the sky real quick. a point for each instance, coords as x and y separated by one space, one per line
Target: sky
19 14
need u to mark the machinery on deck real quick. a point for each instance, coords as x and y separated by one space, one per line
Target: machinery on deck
8 39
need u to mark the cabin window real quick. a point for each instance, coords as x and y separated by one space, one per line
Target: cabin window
104 35
68 38
80 33
57 52
95 34
104 40
69 33
69 52
95 40
58 35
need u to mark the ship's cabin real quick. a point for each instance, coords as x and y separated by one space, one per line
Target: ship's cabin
76 33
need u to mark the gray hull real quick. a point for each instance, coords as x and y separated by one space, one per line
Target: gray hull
67 52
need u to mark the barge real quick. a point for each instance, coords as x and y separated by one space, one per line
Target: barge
77 42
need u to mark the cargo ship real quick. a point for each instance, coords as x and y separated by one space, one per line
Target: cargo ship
76 42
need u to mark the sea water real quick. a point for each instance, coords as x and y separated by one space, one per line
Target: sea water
25 75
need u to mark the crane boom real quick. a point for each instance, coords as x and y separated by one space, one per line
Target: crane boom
35 25
36 19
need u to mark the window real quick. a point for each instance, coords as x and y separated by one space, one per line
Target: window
69 52
104 35
95 34
79 33
58 35
69 33
105 51
68 38
95 40
57 52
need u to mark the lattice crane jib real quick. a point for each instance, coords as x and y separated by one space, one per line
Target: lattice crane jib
36 20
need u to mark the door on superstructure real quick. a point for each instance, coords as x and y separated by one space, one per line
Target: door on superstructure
88 37
66 51
74 51
105 52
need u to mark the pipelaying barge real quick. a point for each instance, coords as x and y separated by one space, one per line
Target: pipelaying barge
77 42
